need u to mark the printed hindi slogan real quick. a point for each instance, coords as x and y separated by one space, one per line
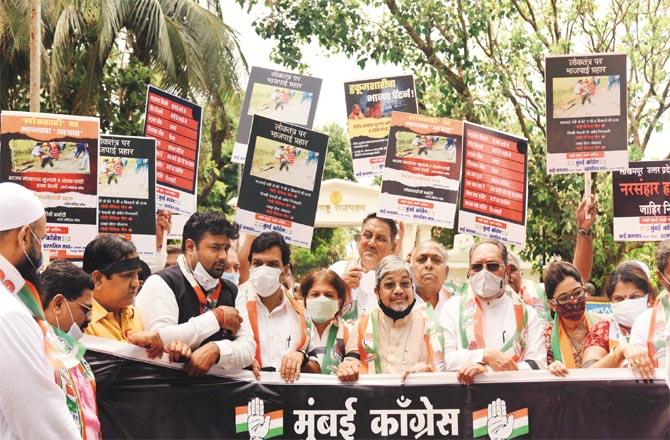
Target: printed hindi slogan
422 172
127 190
175 124
281 180
283 96
586 113
56 156
369 106
641 196
494 188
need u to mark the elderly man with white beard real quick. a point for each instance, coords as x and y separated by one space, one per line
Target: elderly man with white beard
396 336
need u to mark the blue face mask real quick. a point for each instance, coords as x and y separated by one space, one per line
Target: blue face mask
231 276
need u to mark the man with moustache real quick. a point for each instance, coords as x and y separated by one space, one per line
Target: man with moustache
430 270
31 404
378 239
190 301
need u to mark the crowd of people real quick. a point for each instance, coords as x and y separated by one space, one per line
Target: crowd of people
212 302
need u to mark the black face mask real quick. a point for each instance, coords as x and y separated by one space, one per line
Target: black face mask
394 314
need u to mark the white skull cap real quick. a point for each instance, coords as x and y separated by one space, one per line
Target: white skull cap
19 206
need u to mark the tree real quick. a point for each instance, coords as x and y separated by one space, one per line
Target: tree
484 62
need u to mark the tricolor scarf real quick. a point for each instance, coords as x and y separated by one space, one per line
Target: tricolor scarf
471 324
332 356
252 312
368 342
207 301
616 334
560 342
656 336
66 381
59 354
533 295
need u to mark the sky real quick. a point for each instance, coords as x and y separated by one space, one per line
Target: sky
336 69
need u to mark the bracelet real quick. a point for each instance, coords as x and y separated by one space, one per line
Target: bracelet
220 316
585 232
305 359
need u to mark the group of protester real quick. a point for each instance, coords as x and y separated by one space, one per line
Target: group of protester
215 304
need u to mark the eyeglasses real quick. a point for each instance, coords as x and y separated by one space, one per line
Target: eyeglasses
576 293
491 267
86 310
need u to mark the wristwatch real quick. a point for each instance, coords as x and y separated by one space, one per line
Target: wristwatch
305 358
585 232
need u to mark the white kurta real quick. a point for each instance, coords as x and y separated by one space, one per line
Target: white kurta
499 326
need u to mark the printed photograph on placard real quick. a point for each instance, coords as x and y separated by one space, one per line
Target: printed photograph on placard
122 177
280 103
283 163
32 156
419 146
577 97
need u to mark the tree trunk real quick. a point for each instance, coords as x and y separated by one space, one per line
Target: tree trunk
35 53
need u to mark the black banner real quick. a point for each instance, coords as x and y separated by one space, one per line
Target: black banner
281 180
141 400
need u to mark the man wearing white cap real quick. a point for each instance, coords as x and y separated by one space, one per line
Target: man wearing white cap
31 404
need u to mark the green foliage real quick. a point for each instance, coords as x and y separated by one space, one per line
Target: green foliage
328 247
484 61
338 161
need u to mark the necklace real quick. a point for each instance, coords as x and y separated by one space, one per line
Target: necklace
576 347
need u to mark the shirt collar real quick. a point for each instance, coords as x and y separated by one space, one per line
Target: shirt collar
10 277
99 312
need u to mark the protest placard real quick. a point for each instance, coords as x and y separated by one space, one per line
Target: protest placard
641 196
494 189
56 156
127 190
369 106
586 113
281 180
175 124
422 172
283 96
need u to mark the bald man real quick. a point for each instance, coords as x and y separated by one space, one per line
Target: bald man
430 270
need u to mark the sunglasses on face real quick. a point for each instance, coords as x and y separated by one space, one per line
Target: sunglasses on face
86 310
491 267
576 294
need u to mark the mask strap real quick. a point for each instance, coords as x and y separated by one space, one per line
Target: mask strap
70 312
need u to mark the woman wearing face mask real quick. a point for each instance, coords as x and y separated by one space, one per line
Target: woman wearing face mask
566 334
324 293
396 337
629 291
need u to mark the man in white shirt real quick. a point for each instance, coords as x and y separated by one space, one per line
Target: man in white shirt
430 270
190 302
278 322
377 240
486 328
658 314
32 406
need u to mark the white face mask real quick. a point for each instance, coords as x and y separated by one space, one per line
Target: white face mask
486 284
203 278
75 331
265 280
231 276
627 310
322 308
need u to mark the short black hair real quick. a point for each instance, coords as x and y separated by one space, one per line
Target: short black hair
63 277
106 249
268 240
213 222
390 223
173 249
556 272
